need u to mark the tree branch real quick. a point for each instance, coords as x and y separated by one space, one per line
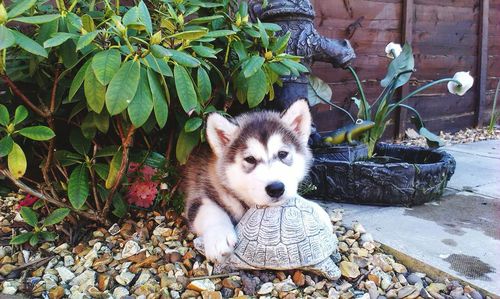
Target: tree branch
50 122
16 91
27 189
126 143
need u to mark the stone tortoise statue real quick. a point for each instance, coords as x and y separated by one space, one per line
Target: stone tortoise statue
285 237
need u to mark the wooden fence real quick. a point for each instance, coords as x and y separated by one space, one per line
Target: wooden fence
446 35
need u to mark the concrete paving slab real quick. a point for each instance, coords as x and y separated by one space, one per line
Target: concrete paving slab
460 234
478 164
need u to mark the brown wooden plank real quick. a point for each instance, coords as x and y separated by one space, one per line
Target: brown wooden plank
407 36
483 60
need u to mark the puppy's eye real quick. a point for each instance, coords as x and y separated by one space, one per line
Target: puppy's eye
282 155
250 160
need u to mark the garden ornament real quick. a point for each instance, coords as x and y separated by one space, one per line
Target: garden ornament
349 133
283 237
296 17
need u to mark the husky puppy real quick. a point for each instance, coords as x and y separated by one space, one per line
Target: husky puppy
257 158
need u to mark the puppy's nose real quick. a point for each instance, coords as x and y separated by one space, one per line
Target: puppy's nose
275 189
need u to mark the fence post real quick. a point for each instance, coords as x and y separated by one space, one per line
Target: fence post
406 36
482 71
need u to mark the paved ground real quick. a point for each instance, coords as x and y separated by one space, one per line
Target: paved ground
460 234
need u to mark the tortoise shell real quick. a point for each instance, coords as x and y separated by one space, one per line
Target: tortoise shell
284 237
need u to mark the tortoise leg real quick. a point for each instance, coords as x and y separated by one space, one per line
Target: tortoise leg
326 268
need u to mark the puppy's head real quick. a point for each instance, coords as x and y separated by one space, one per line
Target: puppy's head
262 156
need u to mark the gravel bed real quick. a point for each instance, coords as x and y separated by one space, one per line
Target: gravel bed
154 257
462 136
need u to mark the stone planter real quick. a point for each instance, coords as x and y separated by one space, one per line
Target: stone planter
399 175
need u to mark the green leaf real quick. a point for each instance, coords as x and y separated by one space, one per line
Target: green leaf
48 236
204 85
142 104
105 65
88 23
6 144
252 65
114 166
20 114
78 186
34 239
102 170
432 139
206 19
158 65
19 7
29 45
95 92
318 91
86 39
16 161
7 38
184 59
145 17
185 89
74 22
279 46
57 216
58 39
160 51
192 124
4 115
47 30
404 62
279 68
29 216
101 121
38 133
41 19
189 34
257 88
78 80
204 51
133 20
88 126
240 50
122 88
263 34
295 65
271 27
21 239
79 142
120 206
185 145
159 101
67 158
220 33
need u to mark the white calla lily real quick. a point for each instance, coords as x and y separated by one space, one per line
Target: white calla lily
466 82
392 50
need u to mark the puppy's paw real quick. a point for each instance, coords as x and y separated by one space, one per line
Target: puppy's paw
219 243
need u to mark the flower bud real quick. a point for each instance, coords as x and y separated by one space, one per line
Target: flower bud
156 38
392 50
268 55
466 82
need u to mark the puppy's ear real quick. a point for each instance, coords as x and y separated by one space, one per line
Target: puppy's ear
298 118
220 132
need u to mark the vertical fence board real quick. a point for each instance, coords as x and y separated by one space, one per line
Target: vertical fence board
406 36
482 60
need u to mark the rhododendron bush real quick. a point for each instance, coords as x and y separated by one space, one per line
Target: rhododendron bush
86 84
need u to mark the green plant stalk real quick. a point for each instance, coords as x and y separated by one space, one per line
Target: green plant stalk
414 111
361 91
493 116
418 90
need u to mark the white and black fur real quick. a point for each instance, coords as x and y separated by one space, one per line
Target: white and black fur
257 158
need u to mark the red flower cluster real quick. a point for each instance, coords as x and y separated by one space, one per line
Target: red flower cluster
142 189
